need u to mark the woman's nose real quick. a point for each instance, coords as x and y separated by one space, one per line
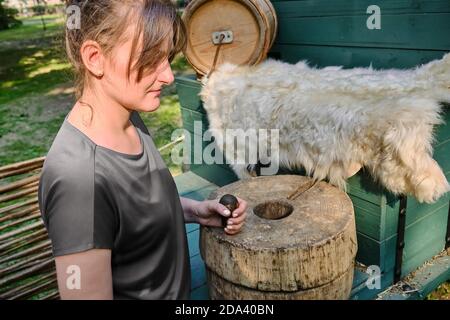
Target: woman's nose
166 75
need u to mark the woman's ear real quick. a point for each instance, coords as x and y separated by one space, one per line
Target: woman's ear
93 58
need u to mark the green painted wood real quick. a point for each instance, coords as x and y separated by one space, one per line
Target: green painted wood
430 277
405 31
313 8
193 241
189 182
374 252
198 272
201 193
189 117
425 280
363 292
424 238
359 278
369 218
217 174
201 293
441 155
188 89
190 227
349 57
364 187
335 34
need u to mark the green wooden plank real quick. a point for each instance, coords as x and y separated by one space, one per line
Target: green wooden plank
431 276
363 292
190 227
193 242
198 272
202 194
188 89
425 279
189 117
364 187
424 239
441 155
349 57
201 293
415 211
217 174
311 8
406 31
351 7
359 278
373 252
369 218
189 182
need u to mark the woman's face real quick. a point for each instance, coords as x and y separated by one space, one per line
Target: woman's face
142 95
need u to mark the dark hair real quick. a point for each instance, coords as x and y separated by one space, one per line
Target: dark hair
159 29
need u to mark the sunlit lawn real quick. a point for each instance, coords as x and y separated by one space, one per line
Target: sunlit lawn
36 94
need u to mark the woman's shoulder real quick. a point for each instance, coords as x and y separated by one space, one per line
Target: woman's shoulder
70 155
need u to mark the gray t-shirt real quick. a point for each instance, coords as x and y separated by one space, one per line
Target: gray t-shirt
94 197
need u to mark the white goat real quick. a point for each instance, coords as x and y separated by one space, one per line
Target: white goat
332 120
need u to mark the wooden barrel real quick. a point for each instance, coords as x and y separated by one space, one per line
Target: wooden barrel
288 249
249 27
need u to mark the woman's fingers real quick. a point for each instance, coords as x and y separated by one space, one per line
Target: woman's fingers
219 208
233 229
241 209
239 219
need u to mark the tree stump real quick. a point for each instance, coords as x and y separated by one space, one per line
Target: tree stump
288 249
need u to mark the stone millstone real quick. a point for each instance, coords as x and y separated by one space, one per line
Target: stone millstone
306 250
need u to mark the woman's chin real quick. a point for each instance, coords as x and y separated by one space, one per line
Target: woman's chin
150 106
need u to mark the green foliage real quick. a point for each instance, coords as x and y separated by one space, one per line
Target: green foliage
7 17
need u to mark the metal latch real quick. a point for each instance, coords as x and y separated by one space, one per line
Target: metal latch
227 36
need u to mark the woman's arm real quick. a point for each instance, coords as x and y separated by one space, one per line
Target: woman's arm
188 209
209 212
85 275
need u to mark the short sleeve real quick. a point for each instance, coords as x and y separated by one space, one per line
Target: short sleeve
75 209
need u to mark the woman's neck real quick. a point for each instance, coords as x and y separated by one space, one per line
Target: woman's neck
105 122
103 113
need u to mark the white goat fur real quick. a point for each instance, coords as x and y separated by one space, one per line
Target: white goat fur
331 118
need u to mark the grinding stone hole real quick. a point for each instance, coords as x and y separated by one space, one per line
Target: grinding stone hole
273 210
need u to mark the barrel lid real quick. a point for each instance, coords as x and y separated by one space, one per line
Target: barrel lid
248 36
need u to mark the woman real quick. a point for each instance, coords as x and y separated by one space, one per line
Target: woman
107 199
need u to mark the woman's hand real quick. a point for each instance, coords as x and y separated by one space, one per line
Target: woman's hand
210 212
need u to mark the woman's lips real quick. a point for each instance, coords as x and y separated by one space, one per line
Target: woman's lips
156 92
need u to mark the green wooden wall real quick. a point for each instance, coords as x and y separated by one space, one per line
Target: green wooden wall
334 33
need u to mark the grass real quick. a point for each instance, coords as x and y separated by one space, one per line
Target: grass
35 93
32 29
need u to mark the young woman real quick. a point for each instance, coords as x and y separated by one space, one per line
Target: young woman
108 201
